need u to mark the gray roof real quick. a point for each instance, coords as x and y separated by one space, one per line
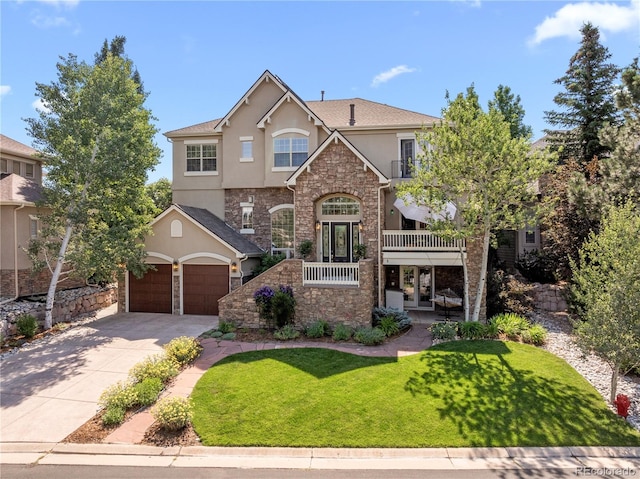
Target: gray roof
16 189
9 145
222 230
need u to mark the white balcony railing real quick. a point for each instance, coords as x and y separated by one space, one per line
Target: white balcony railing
335 274
418 240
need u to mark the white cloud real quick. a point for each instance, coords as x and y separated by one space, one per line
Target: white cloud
4 90
39 105
61 3
45 21
608 17
389 74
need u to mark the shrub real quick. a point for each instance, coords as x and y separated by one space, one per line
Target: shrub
472 330
444 331
536 335
183 350
510 324
536 266
342 332
173 413
286 332
120 395
228 336
491 330
263 296
27 325
113 416
283 307
147 391
369 336
317 329
226 327
267 261
305 248
157 366
400 317
389 326
359 251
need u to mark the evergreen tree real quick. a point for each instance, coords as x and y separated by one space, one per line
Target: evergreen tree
116 48
509 105
586 103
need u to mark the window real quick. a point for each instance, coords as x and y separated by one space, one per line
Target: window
290 152
282 231
33 226
407 156
29 170
16 167
341 205
4 166
202 157
247 217
247 149
530 237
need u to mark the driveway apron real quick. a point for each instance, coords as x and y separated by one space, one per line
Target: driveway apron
50 389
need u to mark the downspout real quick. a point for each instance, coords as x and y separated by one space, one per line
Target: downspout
380 209
15 255
295 230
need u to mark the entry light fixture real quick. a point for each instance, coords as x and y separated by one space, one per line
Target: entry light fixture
176 265
234 267
360 225
317 225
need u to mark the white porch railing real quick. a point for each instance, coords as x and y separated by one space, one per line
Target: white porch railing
418 240
335 274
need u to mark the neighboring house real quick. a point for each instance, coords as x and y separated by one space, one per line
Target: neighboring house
275 171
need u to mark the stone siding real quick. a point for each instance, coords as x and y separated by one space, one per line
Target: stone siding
263 200
550 297
68 305
30 283
337 304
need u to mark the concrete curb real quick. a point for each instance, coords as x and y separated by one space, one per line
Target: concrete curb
623 458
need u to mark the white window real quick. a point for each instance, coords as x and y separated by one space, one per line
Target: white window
282 228
247 217
290 152
202 157
33 226
246 148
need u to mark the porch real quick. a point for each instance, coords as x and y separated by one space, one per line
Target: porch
418 240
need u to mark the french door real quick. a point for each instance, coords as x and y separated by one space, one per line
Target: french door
338 240
417 286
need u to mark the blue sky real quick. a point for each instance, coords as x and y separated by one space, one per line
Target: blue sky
198 58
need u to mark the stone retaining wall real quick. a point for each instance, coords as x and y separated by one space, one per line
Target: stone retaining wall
68 305
549 297
334 304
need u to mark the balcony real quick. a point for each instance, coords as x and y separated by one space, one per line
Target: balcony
418 240
330 274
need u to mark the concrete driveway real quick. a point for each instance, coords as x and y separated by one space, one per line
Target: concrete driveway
51 388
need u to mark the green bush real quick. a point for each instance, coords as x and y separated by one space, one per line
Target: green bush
536 335
267 261
113 416
369 336
226 327
472 330
317 329
283 307
401 317
444 331
147 391
286 332
173 413
183 350
389 326
27 325
510 324
342 332
216 334
491 330
305 248
228 336
156 366
120 395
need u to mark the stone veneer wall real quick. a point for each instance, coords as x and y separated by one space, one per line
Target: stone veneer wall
30 283
347 305
68 305
550 297
264 200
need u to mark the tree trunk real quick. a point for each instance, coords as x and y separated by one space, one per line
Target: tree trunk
483 273
614 382
48 312
465 274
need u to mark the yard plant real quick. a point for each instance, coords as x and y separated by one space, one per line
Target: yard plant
456 394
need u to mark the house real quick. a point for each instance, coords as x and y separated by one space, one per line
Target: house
275 171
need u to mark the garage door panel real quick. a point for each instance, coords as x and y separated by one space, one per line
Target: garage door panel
203 286
152 292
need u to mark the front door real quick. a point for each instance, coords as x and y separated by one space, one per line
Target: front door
341 242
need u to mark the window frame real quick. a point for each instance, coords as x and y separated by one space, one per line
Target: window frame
287 251
202 158
248 227
246 149
290 135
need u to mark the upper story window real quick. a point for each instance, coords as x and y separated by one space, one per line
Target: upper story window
282 230
407 156
22 168
29 170
246 148
4 166
340 205
247 218
202 157
290 152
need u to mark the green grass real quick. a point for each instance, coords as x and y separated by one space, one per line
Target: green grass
464 393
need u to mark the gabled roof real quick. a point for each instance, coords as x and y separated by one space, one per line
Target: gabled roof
17 190
287 97
336 136
205 128
368 114
266 76
216 227
11 146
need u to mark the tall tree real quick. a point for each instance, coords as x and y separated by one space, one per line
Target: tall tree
617 177
473 162
509 105
587 101
116 48
160 193
96 138
607 286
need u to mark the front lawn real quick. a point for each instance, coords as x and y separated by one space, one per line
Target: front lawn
464 393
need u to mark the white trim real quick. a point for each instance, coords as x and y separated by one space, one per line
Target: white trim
246 138
281 207
284 131
246 160
247 231
249 204
201 173
204 254
200 142
163 256
284 168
